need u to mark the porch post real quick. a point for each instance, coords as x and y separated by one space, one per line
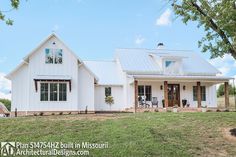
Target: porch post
135 95
199 99
227 95
166 93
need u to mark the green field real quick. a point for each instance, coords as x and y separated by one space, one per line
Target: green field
128 134
221 102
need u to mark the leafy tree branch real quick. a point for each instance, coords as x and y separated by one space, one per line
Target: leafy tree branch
14 5
218 17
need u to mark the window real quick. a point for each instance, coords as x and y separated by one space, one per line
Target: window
145 91
53 91
53 56
44 92
62 91
58 56
48 56
169 63
203 93
148 92
107 91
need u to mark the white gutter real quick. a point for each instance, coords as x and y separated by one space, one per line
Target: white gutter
183 78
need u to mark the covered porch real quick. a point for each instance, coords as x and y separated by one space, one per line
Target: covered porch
193 92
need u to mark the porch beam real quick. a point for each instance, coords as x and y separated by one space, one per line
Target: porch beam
166 93
199 99
135 95
227 95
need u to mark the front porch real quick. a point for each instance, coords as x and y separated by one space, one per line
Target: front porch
188 94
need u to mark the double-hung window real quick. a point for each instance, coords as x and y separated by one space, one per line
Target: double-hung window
53 91
44 92
203 93
144 90
62 91
107 91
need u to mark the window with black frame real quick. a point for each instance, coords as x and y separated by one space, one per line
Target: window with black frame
145 90
148 93
53 91
44 92
107 91
62 92
203 93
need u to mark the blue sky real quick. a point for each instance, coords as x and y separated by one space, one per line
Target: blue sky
93 29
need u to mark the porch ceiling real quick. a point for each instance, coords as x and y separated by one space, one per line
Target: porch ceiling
213 79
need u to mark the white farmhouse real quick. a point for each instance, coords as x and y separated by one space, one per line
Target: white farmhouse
53 79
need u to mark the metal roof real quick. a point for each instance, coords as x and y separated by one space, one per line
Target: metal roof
108 72
147 61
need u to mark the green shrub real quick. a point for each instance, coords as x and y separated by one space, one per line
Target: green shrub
7 103
109 100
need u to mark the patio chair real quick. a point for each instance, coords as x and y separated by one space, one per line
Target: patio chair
154 101
141 102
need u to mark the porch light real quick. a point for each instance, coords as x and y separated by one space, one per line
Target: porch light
184 87
161 87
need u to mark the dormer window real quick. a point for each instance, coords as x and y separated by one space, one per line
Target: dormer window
53 56
172 66
169 63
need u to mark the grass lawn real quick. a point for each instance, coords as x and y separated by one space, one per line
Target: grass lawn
141 134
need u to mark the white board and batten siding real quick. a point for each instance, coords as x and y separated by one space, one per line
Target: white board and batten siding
69 67
116 93
24 95
20 92
85 89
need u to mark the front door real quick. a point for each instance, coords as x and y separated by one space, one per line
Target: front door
173 95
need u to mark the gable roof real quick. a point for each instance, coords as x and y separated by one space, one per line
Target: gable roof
26 58
107 71
141 61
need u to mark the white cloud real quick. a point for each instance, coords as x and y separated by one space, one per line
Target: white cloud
139 40
164 19
5 87
226 64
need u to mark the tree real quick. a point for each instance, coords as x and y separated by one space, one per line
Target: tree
14 5
7 103
218 17
109 100
221 90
